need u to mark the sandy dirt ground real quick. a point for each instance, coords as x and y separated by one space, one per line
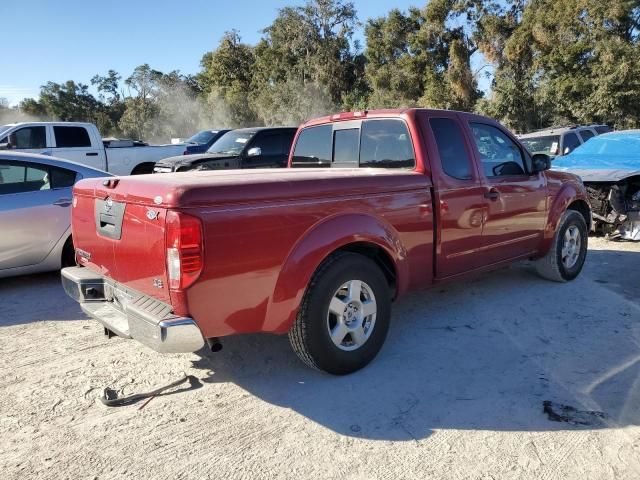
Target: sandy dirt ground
457 391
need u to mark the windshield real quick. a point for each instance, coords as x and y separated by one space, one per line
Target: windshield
231 143
4 128
547 145
202 137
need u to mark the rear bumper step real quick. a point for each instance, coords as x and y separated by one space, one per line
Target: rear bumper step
131 314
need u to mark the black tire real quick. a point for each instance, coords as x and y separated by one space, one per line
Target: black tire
551 266
68 254
309 335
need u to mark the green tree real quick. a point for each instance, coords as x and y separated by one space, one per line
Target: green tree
226 78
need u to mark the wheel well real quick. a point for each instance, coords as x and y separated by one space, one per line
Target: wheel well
143 168
583 208
380 256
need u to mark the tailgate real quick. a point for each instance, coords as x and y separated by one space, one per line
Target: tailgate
120 237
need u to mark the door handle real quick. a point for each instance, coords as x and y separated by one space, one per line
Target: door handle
91 154
492 194
46 152
63 202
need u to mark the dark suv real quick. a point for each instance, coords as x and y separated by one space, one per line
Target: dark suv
264 147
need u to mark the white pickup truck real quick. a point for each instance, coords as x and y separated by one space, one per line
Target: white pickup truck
82 143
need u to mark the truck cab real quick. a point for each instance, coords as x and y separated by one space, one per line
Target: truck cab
75 141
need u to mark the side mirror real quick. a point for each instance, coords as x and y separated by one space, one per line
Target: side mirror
541 162
254 152
5 146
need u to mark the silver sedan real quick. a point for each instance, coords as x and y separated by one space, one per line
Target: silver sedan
35 211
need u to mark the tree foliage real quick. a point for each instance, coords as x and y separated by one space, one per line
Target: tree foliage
549 62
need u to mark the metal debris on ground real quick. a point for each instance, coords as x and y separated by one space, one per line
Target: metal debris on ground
110 397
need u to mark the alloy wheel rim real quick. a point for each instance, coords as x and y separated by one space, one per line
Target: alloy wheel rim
571 246
351 316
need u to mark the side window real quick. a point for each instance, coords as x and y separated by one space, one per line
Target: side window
69 137
15 178
386 144
450 142
62 178
313 148
570 143
586 135
270 144
29 137
500 156
600 129
345 146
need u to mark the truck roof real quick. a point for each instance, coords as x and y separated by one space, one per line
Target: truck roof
17 124
383 113
557 130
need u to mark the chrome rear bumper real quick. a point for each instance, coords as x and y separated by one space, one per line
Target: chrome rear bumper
130 314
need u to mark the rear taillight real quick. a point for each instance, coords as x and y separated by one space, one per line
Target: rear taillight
184 250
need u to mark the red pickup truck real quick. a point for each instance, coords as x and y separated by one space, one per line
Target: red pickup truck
374 204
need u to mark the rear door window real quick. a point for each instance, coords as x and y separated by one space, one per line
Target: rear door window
62 178
586 135
450 142
71 137
386 144
570 143
313 147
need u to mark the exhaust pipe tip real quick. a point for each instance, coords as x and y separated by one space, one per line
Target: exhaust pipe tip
214 344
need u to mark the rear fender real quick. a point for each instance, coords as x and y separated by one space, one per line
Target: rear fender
314 247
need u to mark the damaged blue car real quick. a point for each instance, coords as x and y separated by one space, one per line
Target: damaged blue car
609 166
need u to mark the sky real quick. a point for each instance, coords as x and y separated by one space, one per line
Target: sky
59 40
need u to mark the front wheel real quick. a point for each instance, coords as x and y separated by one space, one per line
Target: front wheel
344 316
565 258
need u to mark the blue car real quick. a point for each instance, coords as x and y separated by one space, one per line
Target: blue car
202 140
609 166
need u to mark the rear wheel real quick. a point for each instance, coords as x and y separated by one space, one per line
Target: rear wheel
344 316
565 258
68 254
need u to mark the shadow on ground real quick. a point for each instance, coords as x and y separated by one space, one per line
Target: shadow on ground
482 355
35 298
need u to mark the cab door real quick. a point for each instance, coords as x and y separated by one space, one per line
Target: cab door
73 142
29 139
515 199
459 196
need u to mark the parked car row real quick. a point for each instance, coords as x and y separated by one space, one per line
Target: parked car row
82 143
